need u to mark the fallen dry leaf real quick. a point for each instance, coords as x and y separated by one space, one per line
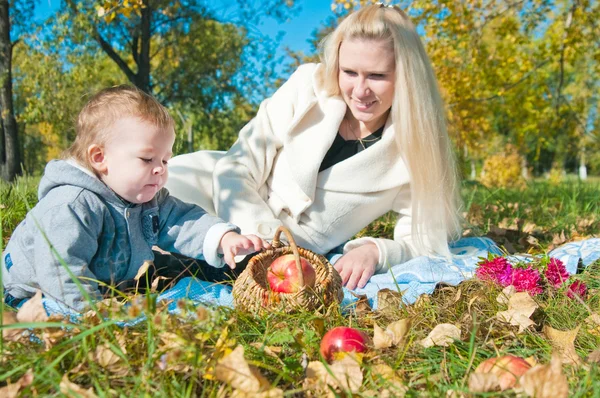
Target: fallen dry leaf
483 382
393 334
271 351
520 307
142 270
594 357
557 240
344 374
362 304
235 371
12 390
51 336
104 356
71 389
399 329
155 282
506 294
10 318
388 300
172 341
593 322
442 335
33 310
394 384
564 342
529 227
381 339
546 381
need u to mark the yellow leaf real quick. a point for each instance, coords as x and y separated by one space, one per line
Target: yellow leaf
33 310
483 382
393 334
12 390
442 335
520 307
142 270
564 342
344 374
388 300
71 389
10 318
235 371
546 381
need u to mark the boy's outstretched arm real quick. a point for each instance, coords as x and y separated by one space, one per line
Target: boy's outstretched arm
233 244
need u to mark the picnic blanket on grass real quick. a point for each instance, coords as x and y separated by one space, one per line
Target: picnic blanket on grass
413 278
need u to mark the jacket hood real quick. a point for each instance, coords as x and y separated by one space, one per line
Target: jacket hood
68 172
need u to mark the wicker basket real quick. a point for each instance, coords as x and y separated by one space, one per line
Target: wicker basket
251 290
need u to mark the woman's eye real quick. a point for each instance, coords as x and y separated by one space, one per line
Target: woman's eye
350 73
165 162
146 160
377 76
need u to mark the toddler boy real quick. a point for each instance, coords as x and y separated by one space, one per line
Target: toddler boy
103 207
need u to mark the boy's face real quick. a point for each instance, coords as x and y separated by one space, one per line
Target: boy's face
133 163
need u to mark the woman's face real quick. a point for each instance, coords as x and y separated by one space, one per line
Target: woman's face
367 78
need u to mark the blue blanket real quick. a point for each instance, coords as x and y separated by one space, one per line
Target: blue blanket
413 278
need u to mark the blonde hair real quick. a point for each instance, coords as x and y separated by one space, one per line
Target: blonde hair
418 117
103 109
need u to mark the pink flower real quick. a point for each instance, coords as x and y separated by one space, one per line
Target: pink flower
527 280
556 273
578 288
498 270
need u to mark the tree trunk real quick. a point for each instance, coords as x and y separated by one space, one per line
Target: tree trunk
524 168
9 142
582 166
142 76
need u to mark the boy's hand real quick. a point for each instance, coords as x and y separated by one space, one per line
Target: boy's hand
233 244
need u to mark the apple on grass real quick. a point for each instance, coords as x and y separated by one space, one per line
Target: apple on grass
508 369
283 275
343 339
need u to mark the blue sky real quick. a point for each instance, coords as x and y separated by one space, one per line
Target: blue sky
297 31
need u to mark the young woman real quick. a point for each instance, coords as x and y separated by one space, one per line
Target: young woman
338 145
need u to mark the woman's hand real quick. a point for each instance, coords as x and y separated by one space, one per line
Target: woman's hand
358 265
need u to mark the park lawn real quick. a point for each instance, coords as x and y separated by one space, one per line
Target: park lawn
188 354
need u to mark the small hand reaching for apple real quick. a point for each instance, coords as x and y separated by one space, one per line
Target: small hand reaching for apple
283 275
233 244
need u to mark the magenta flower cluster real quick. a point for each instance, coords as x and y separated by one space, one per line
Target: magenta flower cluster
529 278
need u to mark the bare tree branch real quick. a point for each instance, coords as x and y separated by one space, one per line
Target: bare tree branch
561 80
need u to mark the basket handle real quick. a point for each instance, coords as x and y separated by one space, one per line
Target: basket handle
292 242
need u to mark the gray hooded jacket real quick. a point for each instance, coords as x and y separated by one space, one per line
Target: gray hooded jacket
80 223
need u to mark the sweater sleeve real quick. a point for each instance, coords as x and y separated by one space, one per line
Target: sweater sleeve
401 248
187 229
239 182
62 259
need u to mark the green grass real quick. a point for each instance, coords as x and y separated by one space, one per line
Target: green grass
175 355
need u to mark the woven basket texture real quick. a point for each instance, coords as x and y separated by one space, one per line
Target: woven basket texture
251 291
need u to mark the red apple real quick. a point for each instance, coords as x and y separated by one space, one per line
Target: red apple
283 275
508 369
343 339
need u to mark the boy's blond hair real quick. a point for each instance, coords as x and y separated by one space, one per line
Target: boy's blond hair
98 115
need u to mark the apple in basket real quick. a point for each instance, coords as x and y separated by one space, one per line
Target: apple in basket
343 339
283 275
